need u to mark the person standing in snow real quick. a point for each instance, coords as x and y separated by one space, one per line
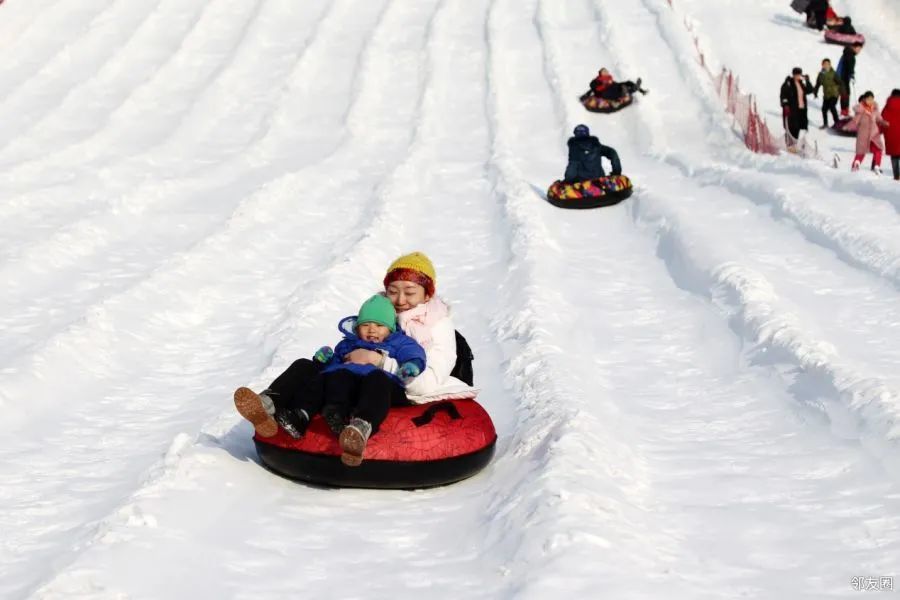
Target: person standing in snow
846 71
793 102
815 13
586 155
410 285
868 134
830 83
891 114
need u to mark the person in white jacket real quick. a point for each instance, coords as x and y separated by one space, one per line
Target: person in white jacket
410 285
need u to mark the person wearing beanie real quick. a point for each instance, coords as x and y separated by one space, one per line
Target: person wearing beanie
410 287
354 398
586 155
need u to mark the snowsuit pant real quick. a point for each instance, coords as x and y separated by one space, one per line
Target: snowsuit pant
299 387
895 166
616 90
829 105
816 17
797 121
876 155
367 397
845 100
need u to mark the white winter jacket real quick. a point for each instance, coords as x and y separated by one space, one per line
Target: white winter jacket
435 382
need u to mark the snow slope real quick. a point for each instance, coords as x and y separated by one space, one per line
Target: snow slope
696 391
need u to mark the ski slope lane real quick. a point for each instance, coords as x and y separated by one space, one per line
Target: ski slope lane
756 393
434 534
131 389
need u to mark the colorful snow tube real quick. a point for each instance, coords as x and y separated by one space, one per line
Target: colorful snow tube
592 193
602 105
844 39
845 126
418 446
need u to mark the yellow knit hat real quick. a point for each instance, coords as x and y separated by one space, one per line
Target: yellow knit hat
415 267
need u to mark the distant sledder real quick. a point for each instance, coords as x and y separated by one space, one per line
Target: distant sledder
608 95
585 184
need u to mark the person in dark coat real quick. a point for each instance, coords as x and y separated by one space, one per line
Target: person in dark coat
846 27
586 157
793 102
815 13
830 83
846 70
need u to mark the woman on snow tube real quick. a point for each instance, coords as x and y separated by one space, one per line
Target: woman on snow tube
410 286
585 184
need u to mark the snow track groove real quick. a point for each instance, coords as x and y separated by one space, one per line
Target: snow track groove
132 419
794 272
713 372
109 236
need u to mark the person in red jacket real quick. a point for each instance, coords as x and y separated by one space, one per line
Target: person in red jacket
605 86
891 114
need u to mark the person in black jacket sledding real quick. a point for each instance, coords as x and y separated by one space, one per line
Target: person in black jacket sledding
846 70
586 157
794 105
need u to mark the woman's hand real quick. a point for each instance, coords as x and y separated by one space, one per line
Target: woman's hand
361 356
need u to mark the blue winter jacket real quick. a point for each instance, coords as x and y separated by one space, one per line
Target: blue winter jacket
400 346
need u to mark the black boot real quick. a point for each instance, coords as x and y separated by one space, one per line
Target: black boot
294 422
335 418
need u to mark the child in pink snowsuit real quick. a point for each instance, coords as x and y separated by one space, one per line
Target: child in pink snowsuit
868 136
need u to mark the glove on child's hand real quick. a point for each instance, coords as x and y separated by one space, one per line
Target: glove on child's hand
409 370
323 354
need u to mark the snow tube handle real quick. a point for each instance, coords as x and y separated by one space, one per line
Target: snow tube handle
428 415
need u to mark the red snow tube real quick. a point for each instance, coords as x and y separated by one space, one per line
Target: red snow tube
602 105
418 446
604 191
844 39
845 126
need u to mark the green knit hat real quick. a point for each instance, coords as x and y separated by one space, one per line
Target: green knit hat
378 309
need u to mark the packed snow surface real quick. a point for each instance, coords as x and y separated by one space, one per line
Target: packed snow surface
697 391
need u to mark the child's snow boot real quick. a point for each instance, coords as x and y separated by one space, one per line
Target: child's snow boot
353 441
877 170
294 422
252 407
335 418
855 166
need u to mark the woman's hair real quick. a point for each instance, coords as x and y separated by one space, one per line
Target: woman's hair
895 93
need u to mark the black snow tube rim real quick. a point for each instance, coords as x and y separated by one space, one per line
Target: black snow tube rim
609 199
328 470
610 109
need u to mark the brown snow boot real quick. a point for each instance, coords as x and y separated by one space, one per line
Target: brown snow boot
353 441
251 407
